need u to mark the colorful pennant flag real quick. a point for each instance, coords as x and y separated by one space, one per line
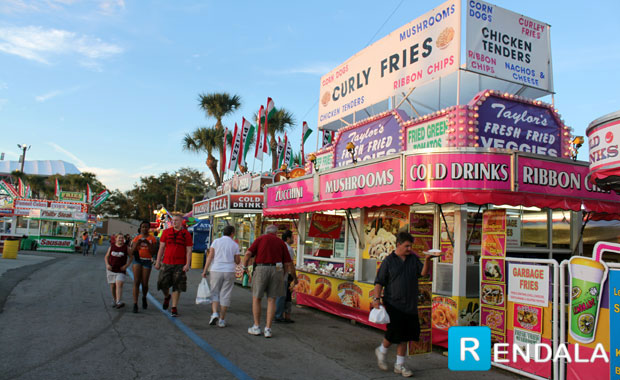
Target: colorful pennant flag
248 132
269 112
260 140
328 137
100 198
279 150
306 133
21 189
57 189
88 193
235 149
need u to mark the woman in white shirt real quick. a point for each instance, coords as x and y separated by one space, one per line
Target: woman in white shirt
221 262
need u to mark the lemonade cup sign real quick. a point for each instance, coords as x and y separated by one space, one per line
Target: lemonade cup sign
587 279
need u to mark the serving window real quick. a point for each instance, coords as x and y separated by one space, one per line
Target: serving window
57 228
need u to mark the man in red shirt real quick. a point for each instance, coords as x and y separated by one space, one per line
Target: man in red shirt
175 246
272 262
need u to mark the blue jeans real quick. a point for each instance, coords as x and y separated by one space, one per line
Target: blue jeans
280 306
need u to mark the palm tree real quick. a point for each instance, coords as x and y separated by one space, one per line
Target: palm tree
206 140
281 121
218 105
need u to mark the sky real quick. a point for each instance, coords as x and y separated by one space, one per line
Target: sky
112 86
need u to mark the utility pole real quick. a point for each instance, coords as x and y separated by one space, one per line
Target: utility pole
176 192
24 148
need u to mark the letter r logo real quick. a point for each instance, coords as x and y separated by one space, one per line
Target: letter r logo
469 348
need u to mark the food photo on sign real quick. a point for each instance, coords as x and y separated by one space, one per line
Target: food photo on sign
380 228
325 226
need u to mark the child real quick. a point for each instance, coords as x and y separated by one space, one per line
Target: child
116 263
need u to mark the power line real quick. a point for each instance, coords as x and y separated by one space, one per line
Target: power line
372 38
385 22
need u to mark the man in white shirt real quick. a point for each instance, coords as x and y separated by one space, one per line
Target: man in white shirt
223 256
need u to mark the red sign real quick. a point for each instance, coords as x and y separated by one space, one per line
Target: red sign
200 208
246 201
218 204
55 243
325 226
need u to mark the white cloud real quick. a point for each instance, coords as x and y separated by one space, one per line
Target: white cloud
39 44
60 149
110 7
55 93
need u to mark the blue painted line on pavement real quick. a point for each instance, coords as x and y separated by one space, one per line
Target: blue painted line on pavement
206 347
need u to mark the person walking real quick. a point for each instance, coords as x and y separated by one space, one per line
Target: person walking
284 303
116 264
143 248
175 247
398 275
220 267
85 243
95 243
272 262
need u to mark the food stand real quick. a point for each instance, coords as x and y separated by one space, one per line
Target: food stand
45 233
57 228
442 197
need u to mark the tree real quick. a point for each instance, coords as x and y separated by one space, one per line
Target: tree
281 121
206 140
218 105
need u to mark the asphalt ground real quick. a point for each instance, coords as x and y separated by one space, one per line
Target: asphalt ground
56 322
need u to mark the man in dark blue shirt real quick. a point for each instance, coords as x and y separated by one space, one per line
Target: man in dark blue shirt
398 275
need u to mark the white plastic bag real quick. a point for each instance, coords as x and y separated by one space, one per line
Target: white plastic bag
379 316
204 292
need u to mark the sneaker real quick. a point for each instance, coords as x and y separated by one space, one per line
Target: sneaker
213 320
267 332
403 370
381 359
113 304
144 304
221 323
254 330
166 302
174 312
135 307
120 304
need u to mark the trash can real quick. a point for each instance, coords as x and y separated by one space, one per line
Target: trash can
198 260
10 249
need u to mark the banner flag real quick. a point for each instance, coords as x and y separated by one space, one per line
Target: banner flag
260 141
248 132
100 198
235 149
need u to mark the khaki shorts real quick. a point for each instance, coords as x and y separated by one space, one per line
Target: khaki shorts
114 277
269 280
172 276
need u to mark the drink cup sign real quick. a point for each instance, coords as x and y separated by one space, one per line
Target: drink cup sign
587 279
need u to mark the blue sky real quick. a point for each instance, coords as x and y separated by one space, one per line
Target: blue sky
112 85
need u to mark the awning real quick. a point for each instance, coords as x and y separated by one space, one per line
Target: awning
478 197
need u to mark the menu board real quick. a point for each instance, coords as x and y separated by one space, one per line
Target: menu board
421 228
493 274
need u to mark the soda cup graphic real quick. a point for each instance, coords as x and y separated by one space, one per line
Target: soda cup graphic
587 279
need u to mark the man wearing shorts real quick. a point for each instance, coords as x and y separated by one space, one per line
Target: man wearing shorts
175 246
398 275
272 262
